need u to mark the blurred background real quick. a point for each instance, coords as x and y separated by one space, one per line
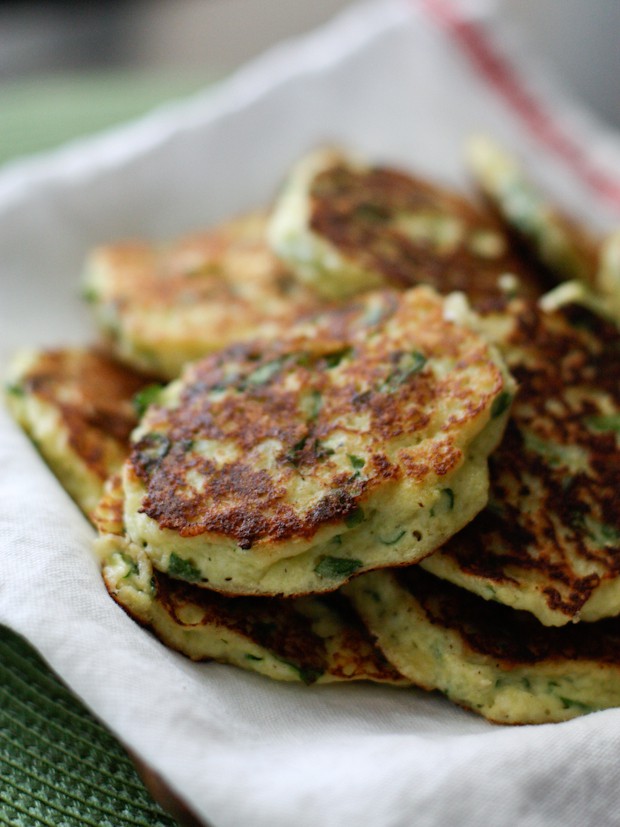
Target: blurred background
70 68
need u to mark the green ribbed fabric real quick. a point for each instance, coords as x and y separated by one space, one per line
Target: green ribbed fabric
58 766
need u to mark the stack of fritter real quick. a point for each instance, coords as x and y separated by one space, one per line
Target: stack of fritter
309 496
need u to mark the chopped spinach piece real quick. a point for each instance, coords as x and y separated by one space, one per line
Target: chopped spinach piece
131 565
183 569
14 390
501 404
336 567
316 402
604 422
332 360
408 365
265 372
374 213
449 494
357 462
145 397
89 294
570 703
292 455
308 674
393 540
354 518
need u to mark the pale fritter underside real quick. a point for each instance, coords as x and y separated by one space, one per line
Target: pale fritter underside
285 467
549 541
76 406
313 640
344 226
498 662
161 307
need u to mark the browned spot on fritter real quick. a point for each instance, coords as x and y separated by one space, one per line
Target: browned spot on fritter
554 505
94 396
359 212
359 371
510 637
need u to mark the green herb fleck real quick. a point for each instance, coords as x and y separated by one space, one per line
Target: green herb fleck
183 569
448 493
336 568
316 402
332 360
408 365
357 462
501 404
292 455
393 540
374 213
265 372
570 703
354 518
604 422
252 657
145 397
131 565
14 390
308 674
89 294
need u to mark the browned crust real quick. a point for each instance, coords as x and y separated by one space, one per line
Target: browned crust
553 356
226 275
512 638
355 210
278 625
221 401
93 395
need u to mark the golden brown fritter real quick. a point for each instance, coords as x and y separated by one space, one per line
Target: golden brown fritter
549 541
76 405
345 226
285 466
308 639
161 307
501 663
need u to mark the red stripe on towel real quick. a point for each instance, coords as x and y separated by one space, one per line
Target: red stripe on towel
503 77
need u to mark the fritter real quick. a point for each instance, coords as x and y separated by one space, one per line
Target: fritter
76 406
549 540
344 226
313 640
160 307
565 247
284 467
489 658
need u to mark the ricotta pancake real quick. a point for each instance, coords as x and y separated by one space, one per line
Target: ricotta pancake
76 406
309 639
559 242
160 307
284 467
498 662
344 225
549 540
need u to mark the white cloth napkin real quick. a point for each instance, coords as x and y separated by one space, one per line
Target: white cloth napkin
405 82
